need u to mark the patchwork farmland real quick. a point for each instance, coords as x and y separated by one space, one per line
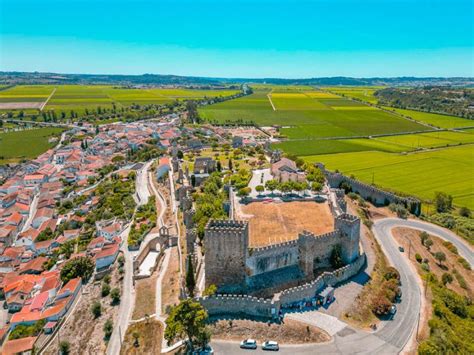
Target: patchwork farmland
81 97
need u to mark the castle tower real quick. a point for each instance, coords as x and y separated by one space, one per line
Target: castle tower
349 226
226 246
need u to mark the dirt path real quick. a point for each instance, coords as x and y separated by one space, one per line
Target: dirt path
270 99
49 97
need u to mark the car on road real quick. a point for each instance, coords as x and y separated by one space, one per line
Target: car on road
248 344
401 249
393 310
270 345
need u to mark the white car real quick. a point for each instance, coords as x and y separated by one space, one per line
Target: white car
270 345
248 344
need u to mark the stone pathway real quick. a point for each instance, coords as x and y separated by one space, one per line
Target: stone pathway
328 323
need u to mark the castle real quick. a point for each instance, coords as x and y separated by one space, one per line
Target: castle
235 268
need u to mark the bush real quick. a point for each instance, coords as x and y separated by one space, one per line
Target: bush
391 273
82 267
381 304
465 212
418 258
108 329
96 309
105 289
447 278
451 247
64 347
399 209
464 263
425 267
115 295
353 195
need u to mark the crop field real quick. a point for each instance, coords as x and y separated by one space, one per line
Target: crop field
364 93
429 140
26 144
421 174
441 121
330 146
304 116
82 97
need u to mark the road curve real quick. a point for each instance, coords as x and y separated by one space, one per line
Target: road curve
392 337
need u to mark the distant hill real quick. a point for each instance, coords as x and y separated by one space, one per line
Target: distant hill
10 78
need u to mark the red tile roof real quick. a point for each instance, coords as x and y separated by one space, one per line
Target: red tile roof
18 345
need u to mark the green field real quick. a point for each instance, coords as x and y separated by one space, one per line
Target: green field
364 93
422 173
308 114
27 144
429 140
332 146
441 121
81 97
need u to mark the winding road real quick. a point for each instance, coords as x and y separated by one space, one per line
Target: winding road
393 335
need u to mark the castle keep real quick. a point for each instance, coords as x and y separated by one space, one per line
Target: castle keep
234 267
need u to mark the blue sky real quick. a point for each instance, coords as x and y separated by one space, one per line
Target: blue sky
239 38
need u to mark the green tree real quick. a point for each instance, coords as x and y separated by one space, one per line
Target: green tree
64 347
115 295
447 278
440 256
190 280
96 309
230 164
465 212
186 320
336 257
82 267
105 289
108 329
428 243
443 202
210 290
259 188
271 185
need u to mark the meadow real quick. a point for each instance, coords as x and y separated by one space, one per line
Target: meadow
429 140
364 93
420 173
27 144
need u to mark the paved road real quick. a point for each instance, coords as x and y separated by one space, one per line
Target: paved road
142 184
393 335
126 302
31 213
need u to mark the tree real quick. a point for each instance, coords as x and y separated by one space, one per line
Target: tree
96 309
230 164
210 290
244 191
115 295
428 243
64 347
190 280
381 304
424 237
105 289
440 256
443 202
465 212
180 154
336 257
271 185
219 166
188 319
447 278
82 267
259 188
284 187
316 186
108 329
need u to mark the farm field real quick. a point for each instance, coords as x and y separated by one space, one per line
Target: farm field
364 93
429 140
82 97
441 121
331 146
303 115
421 174
26 144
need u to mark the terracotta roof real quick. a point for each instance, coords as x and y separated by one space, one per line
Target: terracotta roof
18 345
71 286
107 251
34 265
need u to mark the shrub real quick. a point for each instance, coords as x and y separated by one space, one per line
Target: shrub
82 267
391 273
447 278
105 289
115 294
465 212
464 263
353 195
451 247
425 267
381 304
96 309
108 329
418 258
64 347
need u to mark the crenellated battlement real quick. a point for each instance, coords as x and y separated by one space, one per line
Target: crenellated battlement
348 218
283 245
226 225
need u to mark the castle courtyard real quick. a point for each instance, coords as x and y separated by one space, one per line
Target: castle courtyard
273 222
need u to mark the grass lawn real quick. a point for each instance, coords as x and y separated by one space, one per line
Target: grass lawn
441 121
421 174
27 144
429 140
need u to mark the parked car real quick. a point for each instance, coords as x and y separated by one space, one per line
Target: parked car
206 350
270 345
248 344
401 249
393 310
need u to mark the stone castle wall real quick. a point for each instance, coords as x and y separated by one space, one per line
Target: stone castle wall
272 257
243 305
377 196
